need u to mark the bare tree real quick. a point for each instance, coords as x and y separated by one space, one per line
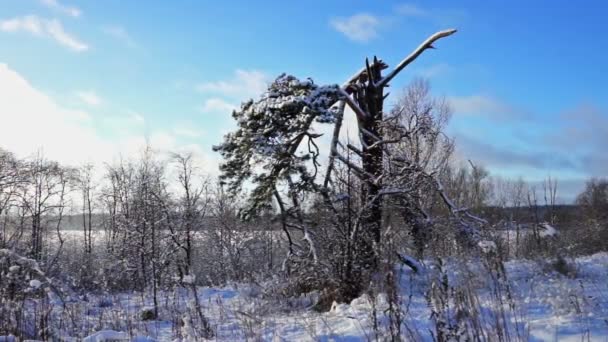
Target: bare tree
594 198
43 200
11 181
192 207
550 196
416 124
87 187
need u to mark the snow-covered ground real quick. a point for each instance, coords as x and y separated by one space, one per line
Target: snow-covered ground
545 306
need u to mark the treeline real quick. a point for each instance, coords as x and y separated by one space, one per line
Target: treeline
153 221
157 222
145 224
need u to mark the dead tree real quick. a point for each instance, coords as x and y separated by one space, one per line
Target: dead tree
364 94
275 148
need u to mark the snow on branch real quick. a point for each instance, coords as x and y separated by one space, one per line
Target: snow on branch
470 232
270 131
360 113
32 266
347 85
427 44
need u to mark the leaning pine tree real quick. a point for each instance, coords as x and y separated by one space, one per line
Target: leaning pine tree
276 151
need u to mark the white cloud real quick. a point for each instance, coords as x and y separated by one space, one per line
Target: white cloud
361 27
439 16
244 84
43 28
56 31
187 130
217 105
30 23
479 105
364 27
348 134
121 34
89 97
56 5
31 120
136 117
123 124
206 162
411 10
434 71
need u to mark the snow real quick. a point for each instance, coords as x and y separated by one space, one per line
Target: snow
545 306
142 339
107 335
341 197
35 284
189 279
487 246
411 262
548 230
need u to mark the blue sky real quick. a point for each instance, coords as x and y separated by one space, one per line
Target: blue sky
527 80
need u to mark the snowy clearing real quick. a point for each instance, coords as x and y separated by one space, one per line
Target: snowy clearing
546 306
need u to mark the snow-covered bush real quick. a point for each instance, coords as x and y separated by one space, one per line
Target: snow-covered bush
21 279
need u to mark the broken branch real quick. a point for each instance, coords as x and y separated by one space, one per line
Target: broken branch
427 44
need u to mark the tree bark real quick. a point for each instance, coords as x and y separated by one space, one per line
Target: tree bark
370 99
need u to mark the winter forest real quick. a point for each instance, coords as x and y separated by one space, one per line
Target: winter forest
340 212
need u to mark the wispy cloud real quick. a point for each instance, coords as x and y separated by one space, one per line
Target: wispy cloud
569 145
411 10
188 130
223 97
119 33
482 105
361 27
65 9
474 104
583 131
509 157
244 84
124 122
364 27
217 105
43 28
48 124
136 117
89 97
57 128
440 16
533 163
434 70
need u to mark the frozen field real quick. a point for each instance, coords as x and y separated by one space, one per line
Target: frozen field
537 305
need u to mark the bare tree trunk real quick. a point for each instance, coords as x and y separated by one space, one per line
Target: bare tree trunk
370 99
